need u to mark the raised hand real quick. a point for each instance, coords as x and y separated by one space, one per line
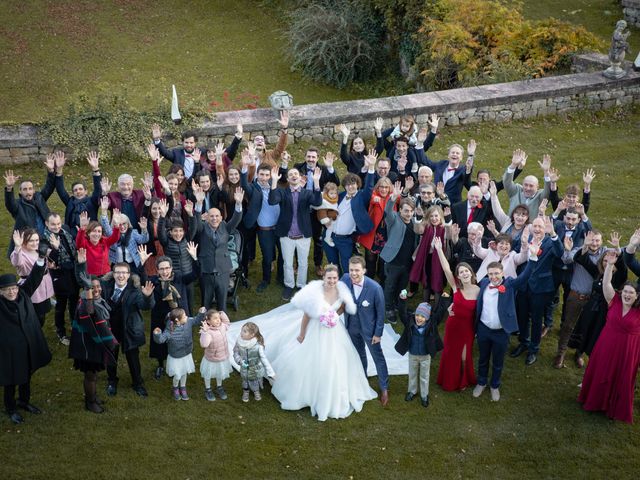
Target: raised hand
534 247
370 160
54 241
84 220
142 223
329 158
491 226
543 206
611 256
144 255
317 173
10 179
188 208
344 130
164 207
548 227
153 152
284 119
377 125
18 239
409 183
446 211
433 122
562 205
493 190
146 190
239 131
579 209
553 175
422 135
50 162
147 179
238 195
588 176
471 147
614 240
286 158
192 249
147 290
220 180
165 184
156 132
545 164
568 243
60 160
437 243
397 189
219 150
105 185
588 240
518 159
275 175
82 255
635 238
251 147
157 331
197 153
93 159
104 205
199 194
440 189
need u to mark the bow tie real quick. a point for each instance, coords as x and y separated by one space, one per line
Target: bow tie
496 286
349 197
451 169
358 285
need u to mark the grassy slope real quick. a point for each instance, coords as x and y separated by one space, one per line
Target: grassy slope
52 50
537 430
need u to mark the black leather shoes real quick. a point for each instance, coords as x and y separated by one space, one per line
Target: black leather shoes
531 359
140 391
112 390
409 396
28 407
15 418
425 401
519 350
158 373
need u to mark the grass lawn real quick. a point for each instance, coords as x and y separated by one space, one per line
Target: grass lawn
51 51
537 430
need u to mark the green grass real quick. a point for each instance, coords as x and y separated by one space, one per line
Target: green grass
51 51
537 430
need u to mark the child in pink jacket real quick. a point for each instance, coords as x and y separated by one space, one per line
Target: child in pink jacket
215 363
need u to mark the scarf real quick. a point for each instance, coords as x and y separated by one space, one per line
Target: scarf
170 293
67 250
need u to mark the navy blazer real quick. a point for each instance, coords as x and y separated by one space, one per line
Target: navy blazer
325 175
284 198
453 188
360 206
541 279
74 207
254 194
370 304
506 300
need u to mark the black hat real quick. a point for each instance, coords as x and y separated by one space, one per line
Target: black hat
8 280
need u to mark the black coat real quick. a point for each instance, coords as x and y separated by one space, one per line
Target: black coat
23 348
133 302
432 339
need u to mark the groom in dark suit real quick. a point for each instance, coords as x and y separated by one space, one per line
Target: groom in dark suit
366 325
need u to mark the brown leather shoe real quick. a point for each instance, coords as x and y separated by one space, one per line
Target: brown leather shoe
384 398
579 361
544 332
558 361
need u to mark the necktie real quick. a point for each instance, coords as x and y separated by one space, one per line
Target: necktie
470 219
116 295
309 179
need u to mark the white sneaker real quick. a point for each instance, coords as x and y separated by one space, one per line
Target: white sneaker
478 389
495 394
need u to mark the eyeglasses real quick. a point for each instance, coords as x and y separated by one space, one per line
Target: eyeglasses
121 273
11 289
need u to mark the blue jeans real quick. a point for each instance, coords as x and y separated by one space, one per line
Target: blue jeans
492 345
341 253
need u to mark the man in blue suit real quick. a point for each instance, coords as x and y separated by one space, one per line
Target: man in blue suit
367 324
539 290
496 320
451 171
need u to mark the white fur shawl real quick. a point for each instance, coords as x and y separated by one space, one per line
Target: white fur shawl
311 299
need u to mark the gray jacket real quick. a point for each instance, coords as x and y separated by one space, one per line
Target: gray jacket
395 232
179 337
516 195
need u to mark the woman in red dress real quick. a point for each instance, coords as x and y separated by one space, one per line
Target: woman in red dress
610 378
456 364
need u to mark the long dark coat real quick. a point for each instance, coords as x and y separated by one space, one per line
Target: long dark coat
23 347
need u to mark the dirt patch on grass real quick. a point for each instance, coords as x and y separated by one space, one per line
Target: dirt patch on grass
71 20
18 44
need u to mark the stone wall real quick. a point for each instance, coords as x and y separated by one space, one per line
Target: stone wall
631 11
504 102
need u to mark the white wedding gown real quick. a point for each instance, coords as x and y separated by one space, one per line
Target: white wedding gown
325 371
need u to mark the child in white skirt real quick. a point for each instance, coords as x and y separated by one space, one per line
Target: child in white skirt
178 334
215 363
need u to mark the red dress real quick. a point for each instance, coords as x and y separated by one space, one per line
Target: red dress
458 333
610 378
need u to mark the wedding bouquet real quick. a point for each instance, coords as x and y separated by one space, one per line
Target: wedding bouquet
329 319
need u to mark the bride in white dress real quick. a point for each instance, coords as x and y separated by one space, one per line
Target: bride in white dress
315 361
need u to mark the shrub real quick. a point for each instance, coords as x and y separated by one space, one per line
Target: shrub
109 124
336 42
467 42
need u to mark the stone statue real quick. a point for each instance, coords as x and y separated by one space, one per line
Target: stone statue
619 47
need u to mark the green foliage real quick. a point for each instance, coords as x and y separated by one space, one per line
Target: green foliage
335 42
108 123
469 42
